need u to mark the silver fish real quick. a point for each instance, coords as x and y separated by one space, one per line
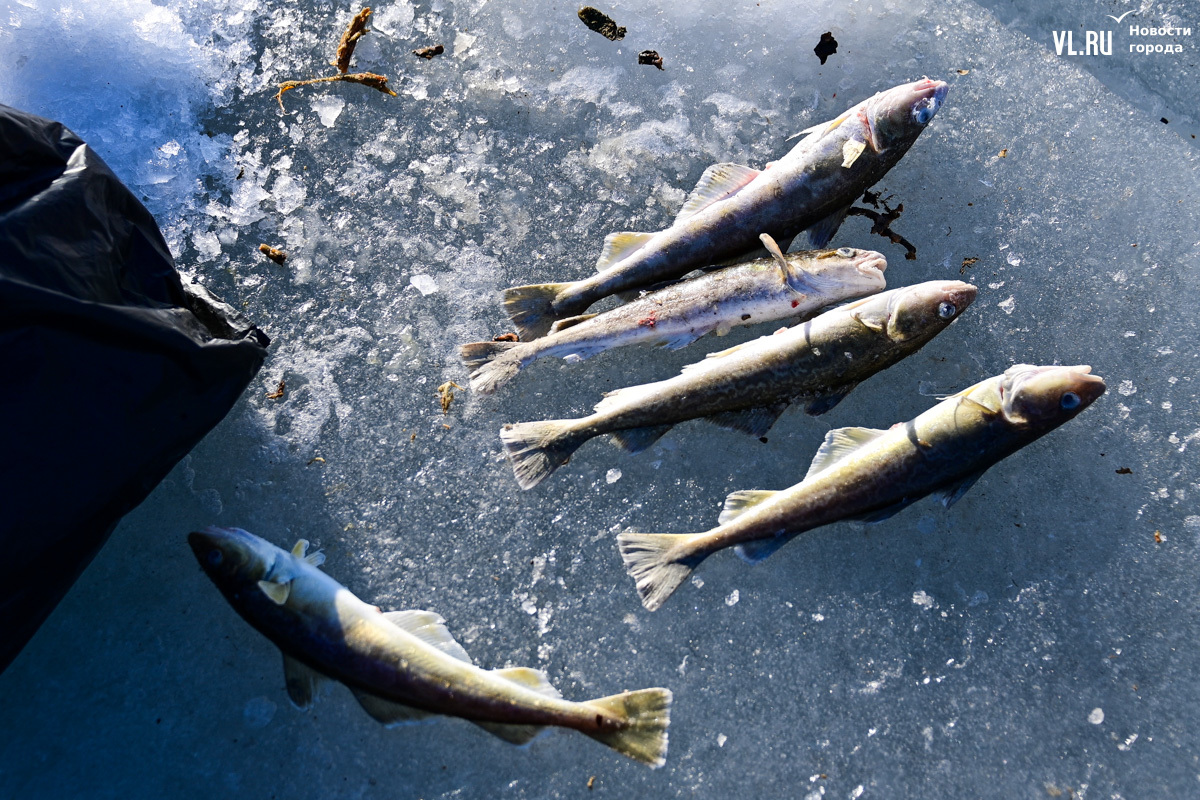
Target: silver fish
869 475
404 666
747 387
811 188
794 286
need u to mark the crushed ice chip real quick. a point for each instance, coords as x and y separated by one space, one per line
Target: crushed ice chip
612 476
1097 716
733 598
425 284
328 109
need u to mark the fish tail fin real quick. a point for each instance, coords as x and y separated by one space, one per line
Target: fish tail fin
536 449
492 364
646 714
657 563
531 308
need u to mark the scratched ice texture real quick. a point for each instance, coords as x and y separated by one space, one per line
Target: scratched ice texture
1036 640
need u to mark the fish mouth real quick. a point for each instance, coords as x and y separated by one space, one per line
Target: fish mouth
872 265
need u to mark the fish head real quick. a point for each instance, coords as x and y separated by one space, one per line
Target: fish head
232 556
846 271
898 115
1046 397
916 313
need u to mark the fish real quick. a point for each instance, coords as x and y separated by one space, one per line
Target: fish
810 188
792 286
869 475
404 666
747 387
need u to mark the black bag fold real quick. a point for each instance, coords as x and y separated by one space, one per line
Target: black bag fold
111 368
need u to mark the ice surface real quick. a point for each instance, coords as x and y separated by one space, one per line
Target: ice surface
945 653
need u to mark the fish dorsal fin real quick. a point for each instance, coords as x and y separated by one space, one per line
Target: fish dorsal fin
389 712
278 592
515 734
819 233
530 679
635 440
839 443
570 322
430 628
738 503
618 246
754 421
303 682
951 494
716 184
301 548
757 550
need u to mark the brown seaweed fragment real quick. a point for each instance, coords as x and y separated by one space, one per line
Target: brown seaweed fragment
354 31
428 53
601 23
273 253
826 47
278 393
650 57
364 78
446 395
506 337
882 226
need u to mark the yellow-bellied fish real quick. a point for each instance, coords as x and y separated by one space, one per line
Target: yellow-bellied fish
747 387
869 475
403 666
793 286
810 188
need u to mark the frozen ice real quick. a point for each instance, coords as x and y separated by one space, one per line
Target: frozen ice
327 108
1096 716
987 632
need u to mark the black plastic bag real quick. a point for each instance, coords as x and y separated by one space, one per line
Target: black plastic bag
111 368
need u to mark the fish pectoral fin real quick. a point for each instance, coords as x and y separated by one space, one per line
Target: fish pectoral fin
430 628
776 252
389 712
300 550
754 421
680 340
821 232
819 405
516 734
277 591
619 246
951 494
635 440
839 443
738 503
720 181
569 322
530 679
851 150
757 550
303 682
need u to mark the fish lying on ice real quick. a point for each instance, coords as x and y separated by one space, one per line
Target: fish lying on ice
404 666
869 475
747 387
794 286
811 188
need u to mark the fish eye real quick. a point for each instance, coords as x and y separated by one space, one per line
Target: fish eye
924 115
214 557
1069 401
947 310
845 252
